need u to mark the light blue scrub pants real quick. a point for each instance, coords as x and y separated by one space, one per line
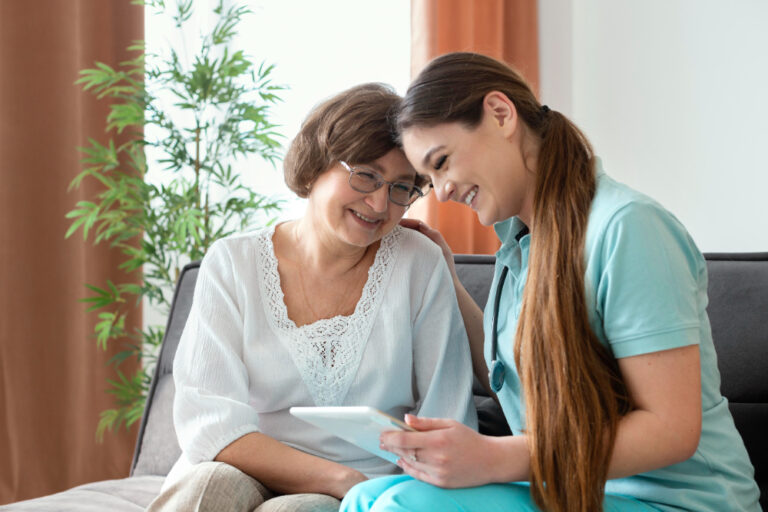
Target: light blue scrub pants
404 493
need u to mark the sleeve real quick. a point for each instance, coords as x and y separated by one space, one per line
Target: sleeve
442 364
210 407
650 286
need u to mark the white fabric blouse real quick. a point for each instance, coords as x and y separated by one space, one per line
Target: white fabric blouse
242 362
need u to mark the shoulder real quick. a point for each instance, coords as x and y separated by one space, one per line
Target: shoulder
615 201
241 247
617 208
627 222
416 248
418 263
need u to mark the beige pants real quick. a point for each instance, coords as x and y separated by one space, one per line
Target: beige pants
216 486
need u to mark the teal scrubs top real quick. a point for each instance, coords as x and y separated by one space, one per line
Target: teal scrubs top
646 291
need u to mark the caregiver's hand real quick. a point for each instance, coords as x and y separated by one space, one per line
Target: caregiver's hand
449 454
436 237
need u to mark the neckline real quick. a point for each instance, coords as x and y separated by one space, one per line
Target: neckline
282 308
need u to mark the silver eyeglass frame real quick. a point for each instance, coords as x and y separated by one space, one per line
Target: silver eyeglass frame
356 170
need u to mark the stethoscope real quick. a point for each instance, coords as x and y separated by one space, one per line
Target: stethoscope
496 374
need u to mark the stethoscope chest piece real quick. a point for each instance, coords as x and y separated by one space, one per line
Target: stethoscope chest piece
496 375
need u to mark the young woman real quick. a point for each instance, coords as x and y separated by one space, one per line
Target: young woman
339 307
595 333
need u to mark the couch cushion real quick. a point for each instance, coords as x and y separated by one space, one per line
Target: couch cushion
131 494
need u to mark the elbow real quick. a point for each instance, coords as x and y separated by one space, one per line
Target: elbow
687 450
687 442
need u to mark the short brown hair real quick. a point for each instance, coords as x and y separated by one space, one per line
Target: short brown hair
356 126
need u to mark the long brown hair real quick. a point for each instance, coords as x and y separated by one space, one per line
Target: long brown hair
573 390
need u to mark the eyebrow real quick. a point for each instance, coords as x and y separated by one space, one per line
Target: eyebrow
428 156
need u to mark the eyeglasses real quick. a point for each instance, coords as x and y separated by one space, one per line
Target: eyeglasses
366 180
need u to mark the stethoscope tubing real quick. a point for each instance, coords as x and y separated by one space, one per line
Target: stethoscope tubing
496 373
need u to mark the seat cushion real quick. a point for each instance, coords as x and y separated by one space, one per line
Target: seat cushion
132 494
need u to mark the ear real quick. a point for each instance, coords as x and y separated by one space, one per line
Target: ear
497 105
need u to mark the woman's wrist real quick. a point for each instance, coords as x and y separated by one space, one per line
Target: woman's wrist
509 458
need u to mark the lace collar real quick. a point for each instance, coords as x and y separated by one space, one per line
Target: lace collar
327 352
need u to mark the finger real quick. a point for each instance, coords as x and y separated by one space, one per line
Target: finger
425 427
417 470
411 223
402 453
419 225
426 424
400 442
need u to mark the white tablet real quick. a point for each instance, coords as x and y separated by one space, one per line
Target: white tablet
360 426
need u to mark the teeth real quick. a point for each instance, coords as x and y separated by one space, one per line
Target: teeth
366 219
470 196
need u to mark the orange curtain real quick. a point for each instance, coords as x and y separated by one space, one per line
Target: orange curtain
52 375
504 29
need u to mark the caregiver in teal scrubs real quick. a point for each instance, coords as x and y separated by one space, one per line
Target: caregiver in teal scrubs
603 361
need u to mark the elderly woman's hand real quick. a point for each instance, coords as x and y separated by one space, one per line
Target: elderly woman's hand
449 454
436 237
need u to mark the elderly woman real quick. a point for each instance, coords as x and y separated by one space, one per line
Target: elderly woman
340 307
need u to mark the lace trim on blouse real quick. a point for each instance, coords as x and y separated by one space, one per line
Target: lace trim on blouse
327 352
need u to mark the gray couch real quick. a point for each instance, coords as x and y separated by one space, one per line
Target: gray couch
738 292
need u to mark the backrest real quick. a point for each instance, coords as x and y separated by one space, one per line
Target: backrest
475 272
156 446
738 312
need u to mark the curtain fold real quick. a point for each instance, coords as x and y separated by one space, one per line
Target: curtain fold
52 375
504 29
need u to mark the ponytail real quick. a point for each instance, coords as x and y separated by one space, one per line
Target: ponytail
573 390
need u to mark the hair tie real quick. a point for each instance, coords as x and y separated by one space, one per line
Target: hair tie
544 109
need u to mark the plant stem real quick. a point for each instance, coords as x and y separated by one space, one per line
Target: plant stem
197 172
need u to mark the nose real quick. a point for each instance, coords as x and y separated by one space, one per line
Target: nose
378 199
444 190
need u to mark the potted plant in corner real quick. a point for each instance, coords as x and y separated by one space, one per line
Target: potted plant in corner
168 189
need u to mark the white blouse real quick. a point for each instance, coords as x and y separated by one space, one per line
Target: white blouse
242 362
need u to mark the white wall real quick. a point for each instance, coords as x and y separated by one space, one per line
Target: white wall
674 96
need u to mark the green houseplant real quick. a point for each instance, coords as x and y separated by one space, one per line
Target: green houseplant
168 188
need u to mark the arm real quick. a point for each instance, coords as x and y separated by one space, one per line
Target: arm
662 430
286 470
470 311
473 322
441 359
665 426
212 414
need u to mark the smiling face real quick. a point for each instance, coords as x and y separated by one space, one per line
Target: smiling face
355 218
482 167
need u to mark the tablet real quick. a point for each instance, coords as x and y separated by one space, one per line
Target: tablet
359 425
